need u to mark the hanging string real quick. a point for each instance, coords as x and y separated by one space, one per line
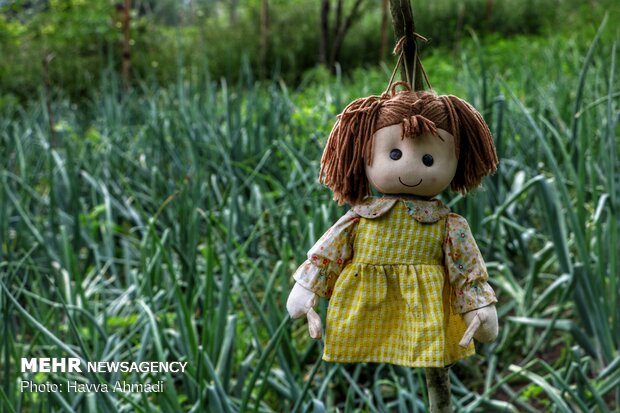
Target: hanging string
400 58
400 50
428 82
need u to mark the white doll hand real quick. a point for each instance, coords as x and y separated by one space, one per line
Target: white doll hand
481 325
301 302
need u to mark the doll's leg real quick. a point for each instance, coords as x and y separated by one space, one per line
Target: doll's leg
438 384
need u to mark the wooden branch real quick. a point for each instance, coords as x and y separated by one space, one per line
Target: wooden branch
402 19
438 384
342 30
126 44
338 19
324 41
264 38
437 379
352 16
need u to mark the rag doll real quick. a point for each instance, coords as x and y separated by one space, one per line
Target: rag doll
403 275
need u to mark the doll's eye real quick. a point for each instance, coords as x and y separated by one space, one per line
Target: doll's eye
427 159
395 154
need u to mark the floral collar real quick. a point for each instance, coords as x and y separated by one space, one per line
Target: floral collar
425 211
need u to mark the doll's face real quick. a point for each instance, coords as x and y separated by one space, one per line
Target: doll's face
422 166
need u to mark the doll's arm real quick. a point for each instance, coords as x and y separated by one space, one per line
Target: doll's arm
328 257
317 275
472 295
301 301
484 327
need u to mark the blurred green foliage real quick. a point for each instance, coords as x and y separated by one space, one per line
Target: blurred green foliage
76 34
215 39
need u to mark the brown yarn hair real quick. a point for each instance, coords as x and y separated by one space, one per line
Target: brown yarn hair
350 141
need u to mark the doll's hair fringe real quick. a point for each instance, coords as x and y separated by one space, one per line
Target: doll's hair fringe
350 141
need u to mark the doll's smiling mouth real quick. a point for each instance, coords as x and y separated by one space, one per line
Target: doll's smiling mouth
410 186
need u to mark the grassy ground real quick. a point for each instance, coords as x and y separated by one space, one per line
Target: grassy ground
165 225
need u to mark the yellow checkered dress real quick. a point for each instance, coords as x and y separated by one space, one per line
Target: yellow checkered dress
391 303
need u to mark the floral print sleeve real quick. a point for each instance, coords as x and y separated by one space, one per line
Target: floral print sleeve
328 256
465 266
